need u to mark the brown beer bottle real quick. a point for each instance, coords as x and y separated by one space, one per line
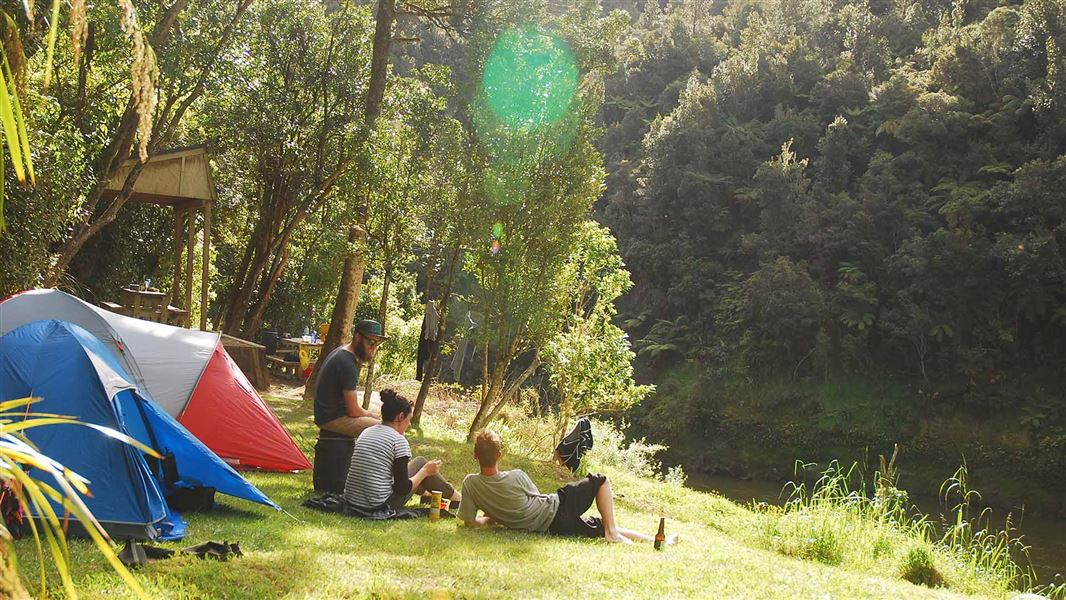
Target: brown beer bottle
660 536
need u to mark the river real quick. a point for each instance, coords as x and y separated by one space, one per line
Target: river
1046 537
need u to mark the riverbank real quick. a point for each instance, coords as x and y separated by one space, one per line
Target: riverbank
1045 536
1011 438
727 550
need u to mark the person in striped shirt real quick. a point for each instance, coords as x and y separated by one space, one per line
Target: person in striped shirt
382 474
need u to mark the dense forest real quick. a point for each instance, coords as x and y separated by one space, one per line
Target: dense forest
841 220
386 160
844 221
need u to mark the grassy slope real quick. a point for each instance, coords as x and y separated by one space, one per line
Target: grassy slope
328 556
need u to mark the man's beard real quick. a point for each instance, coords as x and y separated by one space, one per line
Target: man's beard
361 352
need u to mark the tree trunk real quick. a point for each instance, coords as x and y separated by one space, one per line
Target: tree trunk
263 239
340 323
254 322
379 62
382 312
431 366
495 393
442 327
343 317
234 320
513 388
226 300
488 398
491 391
91 227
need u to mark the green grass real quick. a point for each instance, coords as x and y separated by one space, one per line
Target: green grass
727 550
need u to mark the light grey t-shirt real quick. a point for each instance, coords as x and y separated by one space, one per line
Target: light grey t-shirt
510 498
369 481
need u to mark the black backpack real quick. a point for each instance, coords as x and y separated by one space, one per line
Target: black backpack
575 444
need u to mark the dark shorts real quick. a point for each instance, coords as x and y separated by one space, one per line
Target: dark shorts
574 499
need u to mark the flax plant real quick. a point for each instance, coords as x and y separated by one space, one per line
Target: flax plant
18 456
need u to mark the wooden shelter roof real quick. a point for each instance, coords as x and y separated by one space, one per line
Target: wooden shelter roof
180 178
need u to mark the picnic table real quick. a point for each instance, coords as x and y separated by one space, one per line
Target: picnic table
149 304
307 350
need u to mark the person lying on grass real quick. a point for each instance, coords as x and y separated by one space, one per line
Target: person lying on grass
382 475
511 499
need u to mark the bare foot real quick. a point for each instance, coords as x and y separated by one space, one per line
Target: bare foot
617 539
672 539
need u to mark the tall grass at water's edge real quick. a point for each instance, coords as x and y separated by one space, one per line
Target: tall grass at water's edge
845 521
837 520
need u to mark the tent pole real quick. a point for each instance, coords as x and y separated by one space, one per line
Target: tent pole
179 228
204 285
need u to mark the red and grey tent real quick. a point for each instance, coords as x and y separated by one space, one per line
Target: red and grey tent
185 372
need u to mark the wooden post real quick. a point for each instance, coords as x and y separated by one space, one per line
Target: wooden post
190 242
204 285
179 228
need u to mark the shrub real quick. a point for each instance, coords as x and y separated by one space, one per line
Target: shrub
918 568
811 536
397 357
638 457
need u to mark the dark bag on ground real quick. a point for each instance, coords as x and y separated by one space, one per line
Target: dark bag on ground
575 444
333 455
184 499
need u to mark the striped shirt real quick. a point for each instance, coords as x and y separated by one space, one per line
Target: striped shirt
369 481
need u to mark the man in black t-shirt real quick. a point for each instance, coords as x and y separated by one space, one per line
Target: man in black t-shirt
337 407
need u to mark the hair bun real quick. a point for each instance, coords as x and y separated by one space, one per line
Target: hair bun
387 393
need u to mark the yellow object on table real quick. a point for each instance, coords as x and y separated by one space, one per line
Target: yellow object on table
305 349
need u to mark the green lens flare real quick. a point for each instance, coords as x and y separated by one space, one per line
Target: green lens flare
530 78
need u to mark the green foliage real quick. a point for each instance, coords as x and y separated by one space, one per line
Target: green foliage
971 538
918 568
84 115
842 517
637 457
590 361
816 196
397 357
539 185
856 182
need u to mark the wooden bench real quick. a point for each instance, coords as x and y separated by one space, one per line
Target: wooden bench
176 316
284 368
111 306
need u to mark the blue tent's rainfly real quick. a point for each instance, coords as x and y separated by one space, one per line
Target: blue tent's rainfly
77 376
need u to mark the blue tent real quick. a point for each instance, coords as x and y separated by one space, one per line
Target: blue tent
77 376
